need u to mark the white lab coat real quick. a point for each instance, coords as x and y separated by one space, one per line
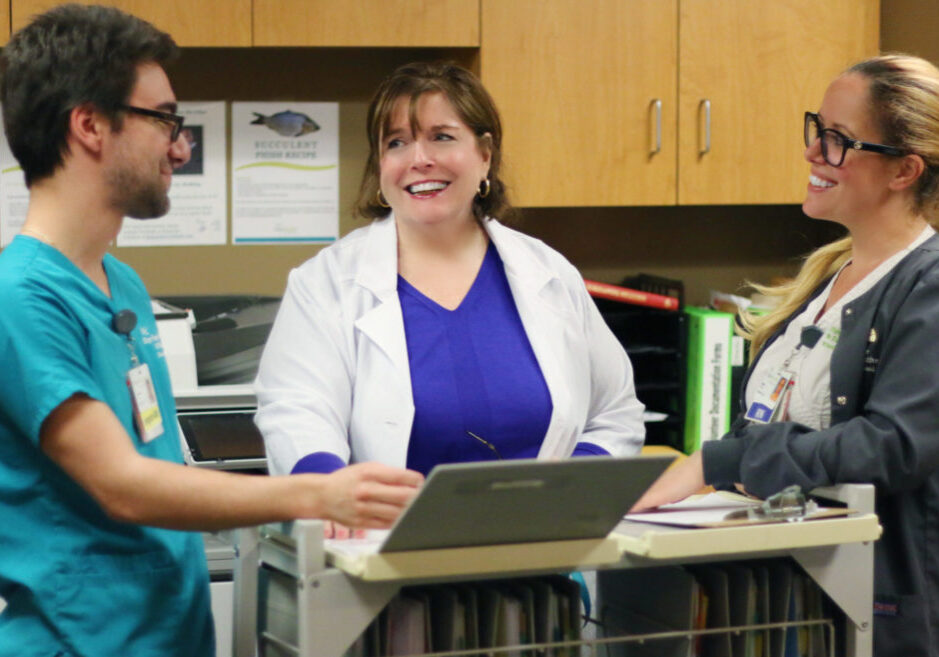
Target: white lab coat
335 376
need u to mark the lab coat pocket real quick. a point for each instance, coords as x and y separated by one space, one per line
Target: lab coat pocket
381 424
382 407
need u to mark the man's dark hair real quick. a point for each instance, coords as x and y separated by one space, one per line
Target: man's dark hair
66 57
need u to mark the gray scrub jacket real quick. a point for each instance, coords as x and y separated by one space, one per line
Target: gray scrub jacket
884 430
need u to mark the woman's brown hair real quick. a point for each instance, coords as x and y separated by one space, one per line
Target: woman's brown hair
473 105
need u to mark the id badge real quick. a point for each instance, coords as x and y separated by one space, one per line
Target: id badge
146 408
771 392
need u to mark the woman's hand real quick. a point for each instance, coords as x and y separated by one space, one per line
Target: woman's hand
678 482
367 495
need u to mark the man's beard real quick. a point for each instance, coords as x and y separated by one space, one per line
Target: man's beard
136 196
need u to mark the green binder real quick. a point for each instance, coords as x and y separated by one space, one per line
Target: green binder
708 403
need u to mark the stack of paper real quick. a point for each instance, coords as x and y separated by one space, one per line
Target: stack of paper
720 509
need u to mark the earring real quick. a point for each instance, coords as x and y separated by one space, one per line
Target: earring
484 188
381 200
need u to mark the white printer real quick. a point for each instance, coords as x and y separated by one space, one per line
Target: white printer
213 345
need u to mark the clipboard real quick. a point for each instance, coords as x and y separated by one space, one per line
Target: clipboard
725 509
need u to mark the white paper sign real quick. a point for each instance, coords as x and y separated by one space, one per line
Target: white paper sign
14 197
198 199
285 172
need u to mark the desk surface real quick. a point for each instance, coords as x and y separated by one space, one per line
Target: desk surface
629 539
660 542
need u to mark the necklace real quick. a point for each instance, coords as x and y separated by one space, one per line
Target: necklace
42 237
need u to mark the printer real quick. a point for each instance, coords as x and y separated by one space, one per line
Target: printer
213 345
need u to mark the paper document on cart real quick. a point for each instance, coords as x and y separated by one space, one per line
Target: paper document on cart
727 509
520 501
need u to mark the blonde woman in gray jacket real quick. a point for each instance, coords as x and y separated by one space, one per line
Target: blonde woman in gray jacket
855 339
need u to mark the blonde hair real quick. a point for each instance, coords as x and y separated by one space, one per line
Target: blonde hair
819 266
904 102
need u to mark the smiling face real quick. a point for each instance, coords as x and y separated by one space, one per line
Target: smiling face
859 186
432 175
142 163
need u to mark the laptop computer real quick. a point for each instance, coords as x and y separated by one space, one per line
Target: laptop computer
520 501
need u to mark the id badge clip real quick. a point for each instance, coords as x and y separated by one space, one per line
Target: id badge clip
146 407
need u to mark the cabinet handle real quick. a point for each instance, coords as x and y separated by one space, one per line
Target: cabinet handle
706 104
657 104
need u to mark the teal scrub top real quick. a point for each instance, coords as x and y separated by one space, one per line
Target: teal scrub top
76 582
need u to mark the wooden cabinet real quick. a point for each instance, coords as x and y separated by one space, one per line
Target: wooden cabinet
760 64
192 23
579 88
236 23
4 22
413 23
606 103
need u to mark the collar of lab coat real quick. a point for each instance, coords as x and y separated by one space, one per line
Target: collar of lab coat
378 270
536 299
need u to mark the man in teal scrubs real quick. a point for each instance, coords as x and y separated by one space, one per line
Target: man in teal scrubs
92 490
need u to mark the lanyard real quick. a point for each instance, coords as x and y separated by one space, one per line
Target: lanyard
146 407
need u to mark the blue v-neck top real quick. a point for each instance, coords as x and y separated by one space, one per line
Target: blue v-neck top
472 370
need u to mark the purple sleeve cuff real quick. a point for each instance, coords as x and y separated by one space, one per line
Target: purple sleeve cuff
589 449
318 463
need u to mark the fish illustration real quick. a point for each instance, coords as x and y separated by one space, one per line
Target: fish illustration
287 124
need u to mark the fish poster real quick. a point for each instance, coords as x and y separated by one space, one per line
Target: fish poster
285 172
14 197
198 196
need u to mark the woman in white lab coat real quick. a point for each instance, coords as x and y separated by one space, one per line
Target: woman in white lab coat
435 333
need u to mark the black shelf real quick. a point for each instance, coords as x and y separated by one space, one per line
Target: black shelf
655 341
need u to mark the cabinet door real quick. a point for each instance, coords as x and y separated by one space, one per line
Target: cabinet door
4 22
190 22
414 23
576 83
760 64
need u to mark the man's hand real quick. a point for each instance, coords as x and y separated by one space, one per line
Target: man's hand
367 495
85 439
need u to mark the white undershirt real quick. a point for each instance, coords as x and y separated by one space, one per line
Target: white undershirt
809 402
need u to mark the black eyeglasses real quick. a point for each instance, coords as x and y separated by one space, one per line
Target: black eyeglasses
835 145
174 120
